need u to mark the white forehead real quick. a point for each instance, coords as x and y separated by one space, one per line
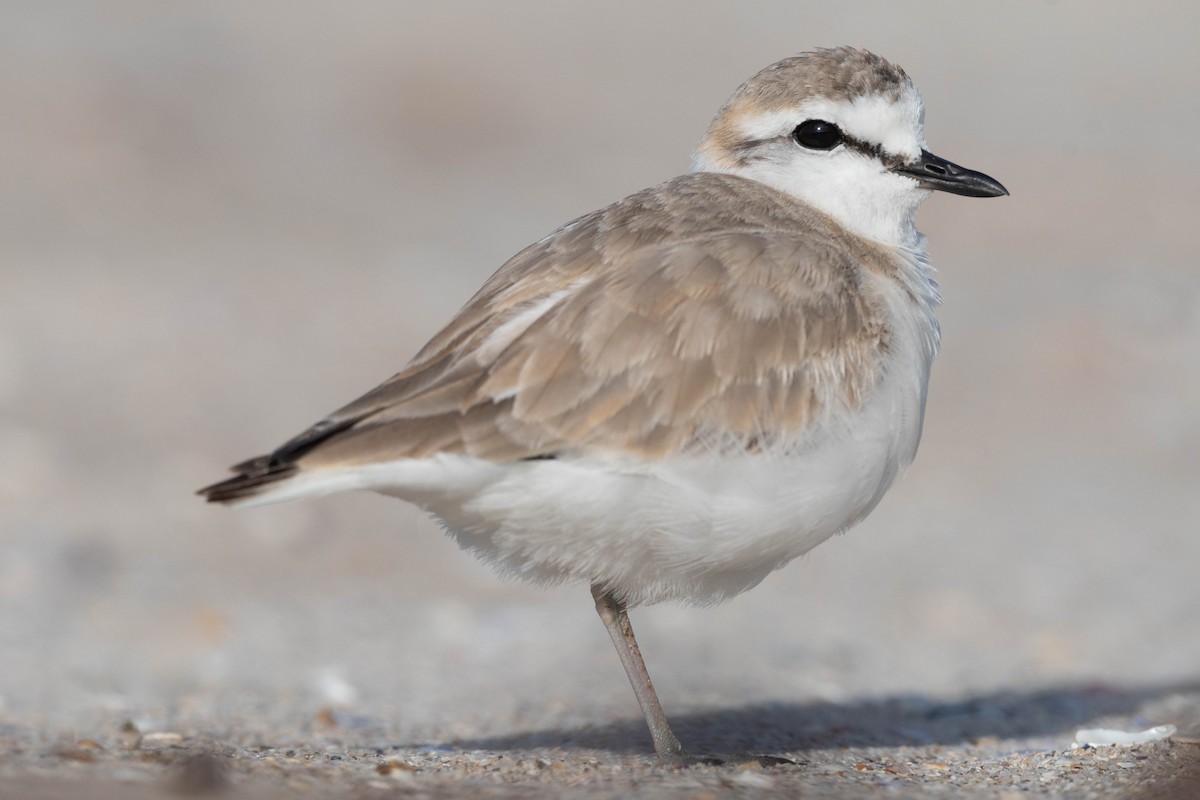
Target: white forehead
895 123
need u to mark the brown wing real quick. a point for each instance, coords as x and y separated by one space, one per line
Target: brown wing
675 349
622 331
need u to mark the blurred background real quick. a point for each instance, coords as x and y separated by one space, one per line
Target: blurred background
221 220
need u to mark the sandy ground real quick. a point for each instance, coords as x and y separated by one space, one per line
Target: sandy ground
219 221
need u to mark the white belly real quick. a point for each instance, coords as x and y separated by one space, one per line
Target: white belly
698 529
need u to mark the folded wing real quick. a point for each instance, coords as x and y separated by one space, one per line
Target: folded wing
608 336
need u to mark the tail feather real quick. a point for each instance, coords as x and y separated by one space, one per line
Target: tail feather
256 476
256 464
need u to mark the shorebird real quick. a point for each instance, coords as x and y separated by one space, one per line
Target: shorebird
673 396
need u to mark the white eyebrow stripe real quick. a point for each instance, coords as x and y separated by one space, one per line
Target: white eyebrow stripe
895 125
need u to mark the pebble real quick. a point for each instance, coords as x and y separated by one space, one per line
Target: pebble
129 737
73 752
396 769
161 739
753 780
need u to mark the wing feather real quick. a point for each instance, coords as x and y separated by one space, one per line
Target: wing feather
655 325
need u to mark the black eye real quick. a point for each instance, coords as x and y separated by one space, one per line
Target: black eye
817 134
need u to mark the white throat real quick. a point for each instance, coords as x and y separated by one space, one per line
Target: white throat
864 199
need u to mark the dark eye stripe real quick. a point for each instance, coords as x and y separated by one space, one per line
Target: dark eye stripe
750 150
873 151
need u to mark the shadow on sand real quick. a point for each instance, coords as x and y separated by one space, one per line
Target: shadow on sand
889 722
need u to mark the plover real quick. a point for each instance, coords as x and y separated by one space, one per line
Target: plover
673 396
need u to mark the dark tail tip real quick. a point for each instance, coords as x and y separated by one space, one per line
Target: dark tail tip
254 477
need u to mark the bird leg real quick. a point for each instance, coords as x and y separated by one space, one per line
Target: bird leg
616 620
